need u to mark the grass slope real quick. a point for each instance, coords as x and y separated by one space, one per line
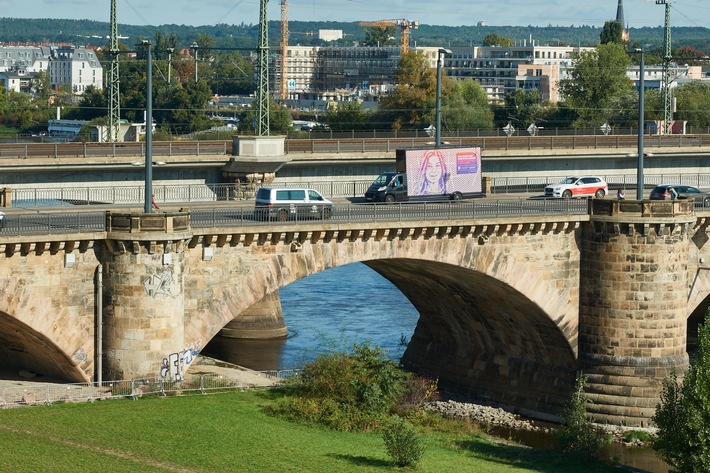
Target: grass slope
225 433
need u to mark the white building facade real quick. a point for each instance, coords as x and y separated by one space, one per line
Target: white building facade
77 67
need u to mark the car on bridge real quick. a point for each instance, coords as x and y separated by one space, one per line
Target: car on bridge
578 186
284 203
673 191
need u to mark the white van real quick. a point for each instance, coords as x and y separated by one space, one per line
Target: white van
283 203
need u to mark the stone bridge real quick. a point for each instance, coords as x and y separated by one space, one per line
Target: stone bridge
511 309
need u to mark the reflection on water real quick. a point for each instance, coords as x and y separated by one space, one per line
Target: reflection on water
641 458
326 312
331 310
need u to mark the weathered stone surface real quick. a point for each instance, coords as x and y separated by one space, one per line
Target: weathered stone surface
500 301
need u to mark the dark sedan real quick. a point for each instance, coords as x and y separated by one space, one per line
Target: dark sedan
673 191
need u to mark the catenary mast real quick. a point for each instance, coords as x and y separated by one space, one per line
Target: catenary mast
114 103
666 80
262 91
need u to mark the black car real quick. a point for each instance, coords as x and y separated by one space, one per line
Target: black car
673 191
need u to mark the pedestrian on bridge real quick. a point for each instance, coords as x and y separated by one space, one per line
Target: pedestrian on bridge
620 194
155 205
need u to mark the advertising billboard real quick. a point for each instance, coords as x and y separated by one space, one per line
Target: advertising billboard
443 171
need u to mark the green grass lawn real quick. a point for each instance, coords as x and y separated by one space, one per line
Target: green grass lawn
229 432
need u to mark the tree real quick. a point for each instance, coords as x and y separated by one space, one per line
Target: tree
689 55
348 116
232 74
464 106
611 33
496 40
693 103
523 107
578 434
682 416
597 84
279 118
377 36
408 106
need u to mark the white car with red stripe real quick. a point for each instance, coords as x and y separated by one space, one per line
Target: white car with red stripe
578 186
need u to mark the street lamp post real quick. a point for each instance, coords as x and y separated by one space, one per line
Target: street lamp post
639 171
439 65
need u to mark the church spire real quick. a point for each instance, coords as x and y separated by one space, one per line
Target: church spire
620 13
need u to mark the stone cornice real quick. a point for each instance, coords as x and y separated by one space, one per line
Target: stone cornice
357 232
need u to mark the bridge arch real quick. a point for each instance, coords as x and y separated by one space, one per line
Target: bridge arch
27 349
509 300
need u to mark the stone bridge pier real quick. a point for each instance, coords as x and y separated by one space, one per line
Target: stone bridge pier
143 293
633 305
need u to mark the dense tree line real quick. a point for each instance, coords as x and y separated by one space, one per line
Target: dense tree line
246 34
597 91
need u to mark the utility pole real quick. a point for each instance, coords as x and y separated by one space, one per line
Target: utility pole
114 98
262 91
666 79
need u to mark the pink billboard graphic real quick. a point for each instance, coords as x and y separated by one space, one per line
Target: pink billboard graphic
443 171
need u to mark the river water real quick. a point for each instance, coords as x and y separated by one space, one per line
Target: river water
333 309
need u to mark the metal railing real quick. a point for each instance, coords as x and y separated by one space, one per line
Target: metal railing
185 194
342 144
46 393
47 223
397 212
116 195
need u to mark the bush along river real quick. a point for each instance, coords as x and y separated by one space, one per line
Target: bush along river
324 315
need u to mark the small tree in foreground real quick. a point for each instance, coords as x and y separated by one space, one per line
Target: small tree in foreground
579 434
402 442
683 415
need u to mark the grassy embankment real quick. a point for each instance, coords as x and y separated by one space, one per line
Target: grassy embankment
230 432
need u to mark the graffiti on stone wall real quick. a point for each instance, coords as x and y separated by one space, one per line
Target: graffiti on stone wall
81 355
175 364
159 285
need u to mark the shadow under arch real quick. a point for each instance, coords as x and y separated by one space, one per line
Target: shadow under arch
23 348
482 338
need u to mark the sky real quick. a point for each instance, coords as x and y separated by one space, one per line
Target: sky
637 13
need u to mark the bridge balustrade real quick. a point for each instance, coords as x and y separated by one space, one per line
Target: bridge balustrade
349 145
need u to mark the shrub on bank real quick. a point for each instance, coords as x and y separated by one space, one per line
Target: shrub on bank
579 434
403 445
683 414
354 391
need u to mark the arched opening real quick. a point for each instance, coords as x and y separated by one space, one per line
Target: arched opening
23 349
327 311
477 335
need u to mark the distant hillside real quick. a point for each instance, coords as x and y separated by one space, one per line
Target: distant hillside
85 32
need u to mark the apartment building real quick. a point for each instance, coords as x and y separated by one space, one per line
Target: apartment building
502 69
77 67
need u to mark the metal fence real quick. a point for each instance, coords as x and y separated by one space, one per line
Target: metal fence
190 193
377 142
117 195
397 212
45 393
46 223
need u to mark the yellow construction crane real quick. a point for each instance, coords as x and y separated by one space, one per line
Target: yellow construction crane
404 26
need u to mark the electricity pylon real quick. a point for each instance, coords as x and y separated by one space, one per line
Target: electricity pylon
262 91
114 99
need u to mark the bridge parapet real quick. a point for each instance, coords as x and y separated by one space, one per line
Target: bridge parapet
641 208
166 222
